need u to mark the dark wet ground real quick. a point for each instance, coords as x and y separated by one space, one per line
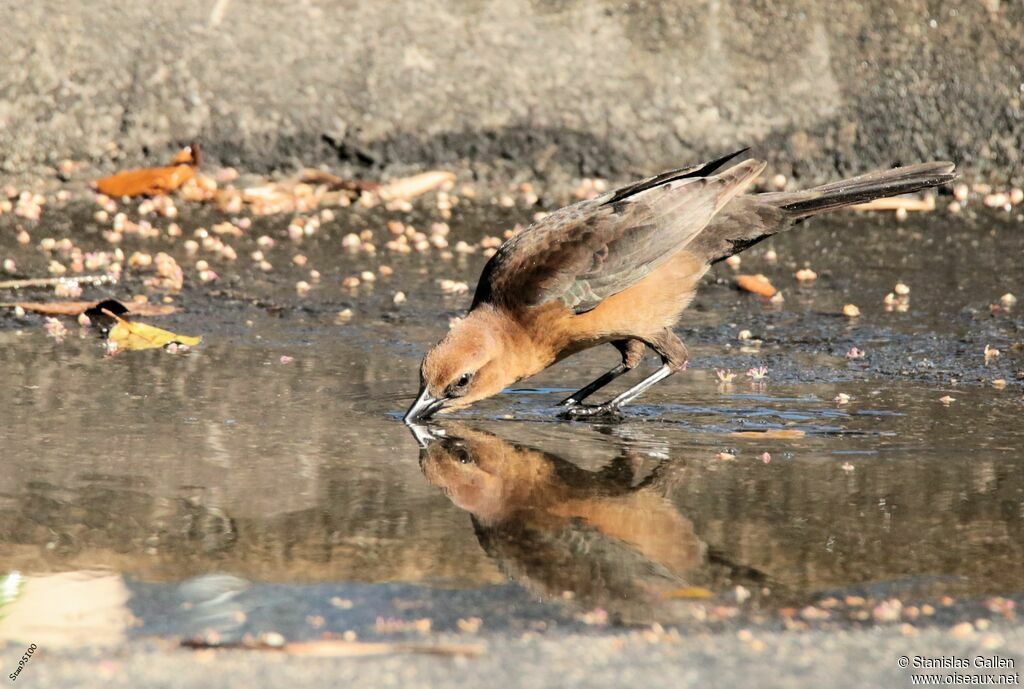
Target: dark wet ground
231 490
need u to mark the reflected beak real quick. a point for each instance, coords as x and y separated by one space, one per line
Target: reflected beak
425 435
423 408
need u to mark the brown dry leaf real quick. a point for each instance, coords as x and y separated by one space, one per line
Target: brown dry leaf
895 203
75 308
152 180
134 336
335 183
758 284
780 433
411 187
336 648
689 593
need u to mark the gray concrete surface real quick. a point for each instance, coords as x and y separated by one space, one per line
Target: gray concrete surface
528 88
853 660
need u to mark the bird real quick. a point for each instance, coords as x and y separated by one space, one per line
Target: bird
619 269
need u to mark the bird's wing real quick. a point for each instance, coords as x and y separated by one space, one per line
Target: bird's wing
587 252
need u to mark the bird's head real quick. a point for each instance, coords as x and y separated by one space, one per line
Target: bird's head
467 365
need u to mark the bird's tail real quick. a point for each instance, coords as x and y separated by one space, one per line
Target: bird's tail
874 185
751 218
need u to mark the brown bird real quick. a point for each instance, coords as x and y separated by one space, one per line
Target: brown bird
619 269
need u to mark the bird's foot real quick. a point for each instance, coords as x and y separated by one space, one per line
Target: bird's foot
578 412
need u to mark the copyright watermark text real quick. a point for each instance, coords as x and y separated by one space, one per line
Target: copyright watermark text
979 670
26 656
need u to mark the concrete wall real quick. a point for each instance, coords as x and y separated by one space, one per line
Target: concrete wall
528 87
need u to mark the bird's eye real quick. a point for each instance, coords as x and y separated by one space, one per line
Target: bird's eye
459 386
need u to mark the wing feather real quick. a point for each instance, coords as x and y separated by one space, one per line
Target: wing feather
591 250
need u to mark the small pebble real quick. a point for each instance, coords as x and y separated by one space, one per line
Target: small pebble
962 630
399 298
806 275
851 311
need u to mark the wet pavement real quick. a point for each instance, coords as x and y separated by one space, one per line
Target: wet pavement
263 481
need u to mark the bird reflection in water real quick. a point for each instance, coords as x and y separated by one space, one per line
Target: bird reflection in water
612 538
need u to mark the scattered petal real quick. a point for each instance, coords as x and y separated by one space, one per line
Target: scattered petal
725 375
758 284
759 373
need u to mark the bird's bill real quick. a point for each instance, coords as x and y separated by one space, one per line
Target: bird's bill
423 408
424 434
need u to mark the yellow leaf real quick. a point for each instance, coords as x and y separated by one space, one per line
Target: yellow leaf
689 593
131 335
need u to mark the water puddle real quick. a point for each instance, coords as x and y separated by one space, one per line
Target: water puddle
263 481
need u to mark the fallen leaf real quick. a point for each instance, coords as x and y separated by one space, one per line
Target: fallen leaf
411 187
758 284
895 203
781 433
153 180
336 648
689 593
335 183
132 335
76 308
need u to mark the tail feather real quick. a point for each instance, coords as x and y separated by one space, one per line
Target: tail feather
874 185
751 218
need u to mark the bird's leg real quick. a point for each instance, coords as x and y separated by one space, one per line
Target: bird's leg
632 352
673 357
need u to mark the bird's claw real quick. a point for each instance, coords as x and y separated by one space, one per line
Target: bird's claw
577 411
